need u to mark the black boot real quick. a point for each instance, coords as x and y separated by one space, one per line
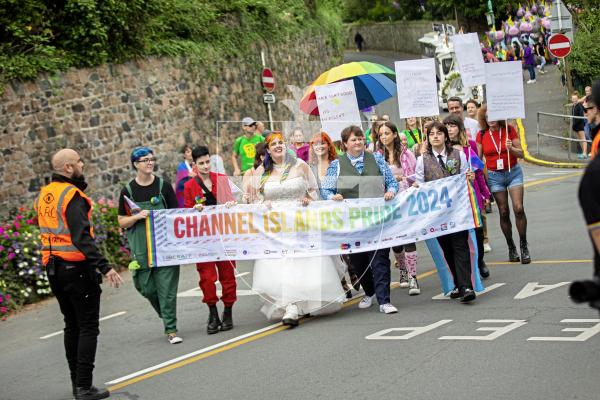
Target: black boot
484 270
525 257
227 319
513 255
91 393
213 320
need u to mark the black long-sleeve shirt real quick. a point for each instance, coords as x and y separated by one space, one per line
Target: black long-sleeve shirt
589 198
79 226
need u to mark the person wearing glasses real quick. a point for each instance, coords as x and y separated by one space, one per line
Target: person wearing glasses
142 194
592 115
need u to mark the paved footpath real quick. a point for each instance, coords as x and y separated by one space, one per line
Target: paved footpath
547 95
522 339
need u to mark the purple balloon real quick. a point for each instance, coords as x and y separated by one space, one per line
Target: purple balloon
513 31
520 12
525 27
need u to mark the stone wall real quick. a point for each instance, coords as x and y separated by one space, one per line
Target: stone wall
398 36
104 112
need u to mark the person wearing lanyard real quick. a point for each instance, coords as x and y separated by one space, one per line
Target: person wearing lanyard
501 147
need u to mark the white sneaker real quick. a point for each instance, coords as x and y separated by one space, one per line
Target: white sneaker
487 248
174 339
388 308
530 81
291 315
366 302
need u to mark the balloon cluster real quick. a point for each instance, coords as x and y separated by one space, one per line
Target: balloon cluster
530 21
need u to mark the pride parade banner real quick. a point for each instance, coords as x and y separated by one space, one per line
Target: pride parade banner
254 231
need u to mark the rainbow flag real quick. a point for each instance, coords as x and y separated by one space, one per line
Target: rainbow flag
474 206
151 241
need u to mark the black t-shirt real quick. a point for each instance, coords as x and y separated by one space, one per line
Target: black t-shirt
589 198
145 193
578 123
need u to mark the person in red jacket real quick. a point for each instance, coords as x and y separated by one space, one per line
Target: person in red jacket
207 188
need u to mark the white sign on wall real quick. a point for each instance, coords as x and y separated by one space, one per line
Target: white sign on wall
338 107
504 90
470 61
417 88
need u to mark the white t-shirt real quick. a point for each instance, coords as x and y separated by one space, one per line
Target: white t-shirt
471 127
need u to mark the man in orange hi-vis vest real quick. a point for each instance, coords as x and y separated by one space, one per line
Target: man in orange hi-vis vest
72 262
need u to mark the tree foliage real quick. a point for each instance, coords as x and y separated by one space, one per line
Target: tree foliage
585 56
50 35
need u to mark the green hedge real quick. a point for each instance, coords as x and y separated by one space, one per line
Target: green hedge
585 56
47 36
22 276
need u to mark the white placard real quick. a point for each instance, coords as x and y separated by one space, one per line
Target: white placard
469 58
504 90
338 107
417 88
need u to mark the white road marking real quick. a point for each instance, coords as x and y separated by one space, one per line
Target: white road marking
101 319
412 331
585 334
534 288
486 290
497 331
192 354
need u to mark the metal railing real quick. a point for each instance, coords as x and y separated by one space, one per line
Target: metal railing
568 124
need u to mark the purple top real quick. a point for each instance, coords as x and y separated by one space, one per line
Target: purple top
482 192
528 56
302 151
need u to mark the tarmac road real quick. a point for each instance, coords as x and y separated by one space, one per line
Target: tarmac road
350 354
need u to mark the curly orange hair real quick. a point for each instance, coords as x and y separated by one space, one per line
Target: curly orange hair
321 137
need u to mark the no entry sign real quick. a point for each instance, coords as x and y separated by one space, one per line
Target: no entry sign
559 45
268 80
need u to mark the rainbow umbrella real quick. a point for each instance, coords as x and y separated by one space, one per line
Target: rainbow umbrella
373 83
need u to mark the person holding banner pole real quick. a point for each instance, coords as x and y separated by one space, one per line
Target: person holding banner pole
360 174
402 163
499 143
441 160
459 140
292 286
144 193
207 188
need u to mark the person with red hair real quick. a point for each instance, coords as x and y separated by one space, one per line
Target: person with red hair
321 153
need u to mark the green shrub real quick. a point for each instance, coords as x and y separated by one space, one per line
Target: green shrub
22 276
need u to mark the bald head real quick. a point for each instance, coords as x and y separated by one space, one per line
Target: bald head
67 162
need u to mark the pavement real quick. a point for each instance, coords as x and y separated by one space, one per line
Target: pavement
546 95
524 338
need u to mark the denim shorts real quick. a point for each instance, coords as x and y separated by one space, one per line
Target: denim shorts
499 181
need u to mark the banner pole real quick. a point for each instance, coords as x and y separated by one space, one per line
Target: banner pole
505 144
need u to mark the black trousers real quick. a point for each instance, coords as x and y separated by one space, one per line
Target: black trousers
456 251
373 269
77 290
479 235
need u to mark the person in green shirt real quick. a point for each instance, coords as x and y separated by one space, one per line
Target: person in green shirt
412 132
244 147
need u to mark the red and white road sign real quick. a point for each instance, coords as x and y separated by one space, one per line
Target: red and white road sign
268 80
559 45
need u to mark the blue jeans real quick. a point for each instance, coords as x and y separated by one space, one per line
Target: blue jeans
531 69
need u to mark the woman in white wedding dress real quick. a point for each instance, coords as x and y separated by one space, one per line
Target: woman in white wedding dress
291 287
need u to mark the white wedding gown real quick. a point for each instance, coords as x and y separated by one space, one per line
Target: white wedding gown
311 283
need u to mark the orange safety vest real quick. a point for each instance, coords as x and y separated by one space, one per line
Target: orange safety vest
595 145
51 208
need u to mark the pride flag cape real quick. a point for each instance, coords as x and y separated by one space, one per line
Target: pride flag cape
130 207
446 278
